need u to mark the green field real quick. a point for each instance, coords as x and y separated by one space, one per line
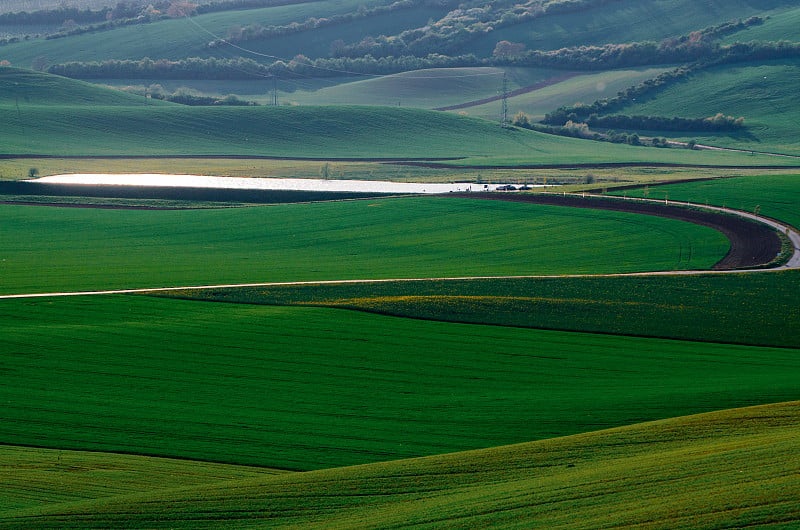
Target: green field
86 249
776 196
679 473
285 386
173 38
585 88
782 25
432 88
22 89
763 94
36 477
546 391
703 308
626 21
111 127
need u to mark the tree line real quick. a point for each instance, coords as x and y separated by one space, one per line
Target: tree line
591 58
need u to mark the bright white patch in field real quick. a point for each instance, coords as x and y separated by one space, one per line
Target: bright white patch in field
197 181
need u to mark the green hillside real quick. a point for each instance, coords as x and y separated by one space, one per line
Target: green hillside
626 21
585 88
81 127
430 88
735 468
34 477
173 38
261 385
24 88
782 25
764 94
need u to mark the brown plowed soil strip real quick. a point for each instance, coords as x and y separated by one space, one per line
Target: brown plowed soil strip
752 244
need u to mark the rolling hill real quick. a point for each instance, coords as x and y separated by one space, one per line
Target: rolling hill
98 125
734 468
396 401
762 93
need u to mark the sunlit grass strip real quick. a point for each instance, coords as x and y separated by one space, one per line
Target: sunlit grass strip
705 307
734 468
305 388
34 477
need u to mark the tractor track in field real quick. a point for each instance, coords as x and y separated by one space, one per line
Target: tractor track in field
753 244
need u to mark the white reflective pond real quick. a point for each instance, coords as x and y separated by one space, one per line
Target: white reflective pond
198 181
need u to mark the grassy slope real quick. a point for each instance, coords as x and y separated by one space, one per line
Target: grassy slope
764 94
81 249
98 125
626 21
733 468
586 88
614 22
34 477
431 88
25 88
324 132
779 26
285 386
171 39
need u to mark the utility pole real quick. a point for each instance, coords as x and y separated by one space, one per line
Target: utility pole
504 111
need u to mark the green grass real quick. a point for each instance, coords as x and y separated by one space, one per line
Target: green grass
52 249
25 88
174 38
286 387
703 308
320 132
105 128
781 25
625 21
585 88
36 477
763 94
734 468
432 88
776 196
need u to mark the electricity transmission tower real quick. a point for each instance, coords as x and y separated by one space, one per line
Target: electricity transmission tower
504 109
274 95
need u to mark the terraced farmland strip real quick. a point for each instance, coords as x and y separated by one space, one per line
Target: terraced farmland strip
306 388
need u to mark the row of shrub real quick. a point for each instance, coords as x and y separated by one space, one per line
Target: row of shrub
255 31
581 130
460 26
241 68
717 123
738 52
